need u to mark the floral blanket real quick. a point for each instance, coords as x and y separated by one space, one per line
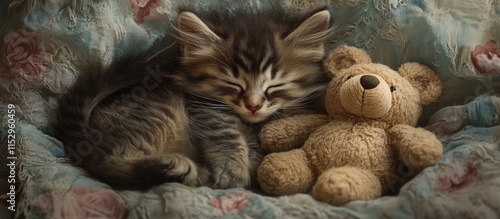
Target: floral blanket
43 44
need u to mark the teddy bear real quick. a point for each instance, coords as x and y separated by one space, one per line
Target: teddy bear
369 129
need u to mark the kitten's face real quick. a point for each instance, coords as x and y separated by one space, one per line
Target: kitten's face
251 64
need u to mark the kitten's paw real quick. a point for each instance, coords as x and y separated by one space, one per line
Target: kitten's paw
179 168
231 175
158 169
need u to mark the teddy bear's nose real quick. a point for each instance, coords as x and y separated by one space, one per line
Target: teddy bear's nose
369 81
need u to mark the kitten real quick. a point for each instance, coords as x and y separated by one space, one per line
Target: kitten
196 124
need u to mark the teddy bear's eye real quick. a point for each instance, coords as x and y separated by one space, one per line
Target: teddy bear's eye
393 88
349 77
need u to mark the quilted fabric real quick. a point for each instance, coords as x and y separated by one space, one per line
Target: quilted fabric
44 43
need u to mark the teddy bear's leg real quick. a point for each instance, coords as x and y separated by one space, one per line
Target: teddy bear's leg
338 186
285 173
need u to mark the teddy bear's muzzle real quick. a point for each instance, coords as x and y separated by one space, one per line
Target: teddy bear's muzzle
366 96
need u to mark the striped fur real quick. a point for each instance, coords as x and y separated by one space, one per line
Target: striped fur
256 64
132 127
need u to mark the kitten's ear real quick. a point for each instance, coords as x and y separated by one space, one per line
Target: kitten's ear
193 33
312 32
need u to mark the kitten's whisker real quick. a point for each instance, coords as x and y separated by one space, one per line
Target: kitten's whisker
224 65
220 52
162 50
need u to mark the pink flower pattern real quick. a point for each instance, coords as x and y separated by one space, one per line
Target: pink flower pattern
24 56
486 58
142 9
454 178
231 203
83 203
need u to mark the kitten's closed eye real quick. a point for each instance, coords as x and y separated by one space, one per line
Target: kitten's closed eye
236 86
228 90
273 88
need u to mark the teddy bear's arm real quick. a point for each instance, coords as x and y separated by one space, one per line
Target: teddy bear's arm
289 133
416 147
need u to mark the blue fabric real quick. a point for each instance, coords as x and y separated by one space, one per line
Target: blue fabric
481 112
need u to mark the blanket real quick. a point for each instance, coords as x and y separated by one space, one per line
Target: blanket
43 43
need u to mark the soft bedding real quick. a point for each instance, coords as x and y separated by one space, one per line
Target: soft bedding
44 44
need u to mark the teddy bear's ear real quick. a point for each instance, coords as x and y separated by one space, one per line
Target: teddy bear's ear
424 80
344 57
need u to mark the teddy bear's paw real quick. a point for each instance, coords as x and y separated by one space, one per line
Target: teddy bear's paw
423 154
231 175
338 186
289 133
417 147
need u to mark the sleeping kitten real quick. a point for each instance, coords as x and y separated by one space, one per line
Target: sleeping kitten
198 124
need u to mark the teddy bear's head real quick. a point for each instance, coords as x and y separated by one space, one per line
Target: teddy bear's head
375 91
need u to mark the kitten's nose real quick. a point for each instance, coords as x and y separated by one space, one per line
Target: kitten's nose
253 109
253 102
